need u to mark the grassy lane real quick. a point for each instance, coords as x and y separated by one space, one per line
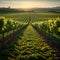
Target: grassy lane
32 47
29 46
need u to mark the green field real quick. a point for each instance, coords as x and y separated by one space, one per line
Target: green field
31 16
29 43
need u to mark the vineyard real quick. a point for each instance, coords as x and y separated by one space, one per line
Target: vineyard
30 36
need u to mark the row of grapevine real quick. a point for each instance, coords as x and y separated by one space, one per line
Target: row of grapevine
8 26
51 27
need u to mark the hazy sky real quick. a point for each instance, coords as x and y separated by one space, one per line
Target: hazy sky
29 3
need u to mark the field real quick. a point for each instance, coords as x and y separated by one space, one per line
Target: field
30 16
36 36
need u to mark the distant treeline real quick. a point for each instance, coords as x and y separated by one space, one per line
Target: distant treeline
8 10
12 10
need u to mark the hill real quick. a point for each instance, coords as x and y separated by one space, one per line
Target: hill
10 10
17 10
53 9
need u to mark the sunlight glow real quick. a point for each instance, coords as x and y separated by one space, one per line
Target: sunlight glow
32 4
28 4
